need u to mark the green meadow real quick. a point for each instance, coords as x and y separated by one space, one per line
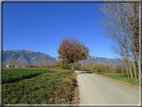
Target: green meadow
37 86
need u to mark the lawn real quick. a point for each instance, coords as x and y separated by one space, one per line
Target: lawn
37 86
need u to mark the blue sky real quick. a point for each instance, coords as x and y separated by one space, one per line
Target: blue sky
42 26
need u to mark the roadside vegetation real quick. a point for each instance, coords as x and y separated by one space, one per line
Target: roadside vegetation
113 71
122 77
37 86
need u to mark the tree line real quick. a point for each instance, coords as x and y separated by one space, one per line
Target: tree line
93 67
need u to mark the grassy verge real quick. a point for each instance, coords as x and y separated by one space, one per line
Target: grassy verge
122 77
45 88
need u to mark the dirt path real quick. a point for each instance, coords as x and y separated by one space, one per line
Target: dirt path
95 89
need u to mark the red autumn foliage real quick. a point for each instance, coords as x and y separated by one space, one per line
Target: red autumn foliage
73 50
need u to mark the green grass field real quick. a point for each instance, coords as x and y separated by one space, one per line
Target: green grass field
11 75
122 77
36 86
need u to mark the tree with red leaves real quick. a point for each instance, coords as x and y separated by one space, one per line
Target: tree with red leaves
73 50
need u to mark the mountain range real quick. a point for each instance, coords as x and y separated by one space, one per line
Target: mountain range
28 57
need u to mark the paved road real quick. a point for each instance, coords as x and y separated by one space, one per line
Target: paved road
94 89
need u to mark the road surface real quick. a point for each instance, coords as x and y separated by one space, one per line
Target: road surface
94 89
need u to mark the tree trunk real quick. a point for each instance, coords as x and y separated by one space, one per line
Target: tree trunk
127 70
129 65
132 48
125 45
137 63
72 67
134 67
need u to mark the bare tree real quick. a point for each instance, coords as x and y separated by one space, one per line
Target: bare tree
41 63
121 24
131 25
13 62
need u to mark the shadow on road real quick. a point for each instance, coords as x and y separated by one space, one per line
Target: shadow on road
84 73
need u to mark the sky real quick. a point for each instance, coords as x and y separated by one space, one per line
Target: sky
42 26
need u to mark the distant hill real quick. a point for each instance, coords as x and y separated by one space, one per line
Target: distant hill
28 57
58 59
102 60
